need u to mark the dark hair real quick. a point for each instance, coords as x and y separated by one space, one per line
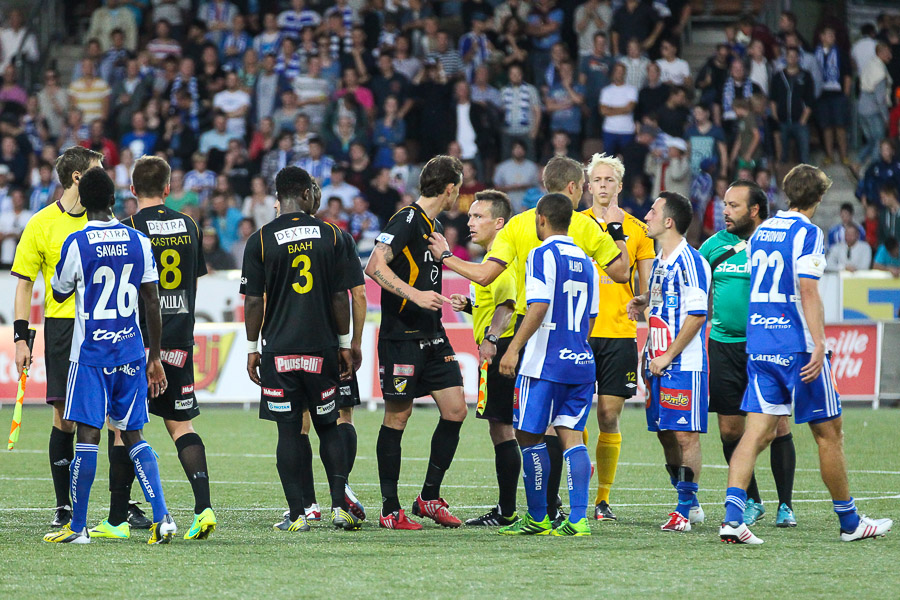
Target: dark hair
74 159
557 209
150 177
291 182
438 173
891 244
97 190
561 170
678 208
805 185
888 188
868 30
756 196
501 208
848 207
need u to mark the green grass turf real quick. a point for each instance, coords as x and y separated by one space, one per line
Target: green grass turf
247 558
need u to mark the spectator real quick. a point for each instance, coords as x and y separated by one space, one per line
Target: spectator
474 47
107 18
237 167
90 94
850 254
592 17
339 188
746 150
296 18
286 115
863 50
362 95
53 103
179 140
670 169
446 55
738 85
129 95
217 137
112 65
313 91
179 198
217 259
218 17
467 190
382 197
267 90
317 164
792 98
387 82
836 233
513 44
871 225
617 103
673 70
94 52
763 178
163 44
636 65
334 213
389 131
522 113
200 179
12 94
139 140
16 40
634 19
44 191
287 63
889 219
511 9
358 56
404 176
268 41
234 44
259 206
672 116
302 135
363 226
714 217
16 159
185 93
277 158
121 173
224 218
12 224
833 108
652 95
211 75
453 238
888 257
885 170
516 174
565 103
482 92
246 228
875 89
100 143
234 104
758 66
404 62
593 73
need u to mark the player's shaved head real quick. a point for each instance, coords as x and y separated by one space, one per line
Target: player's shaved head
75 160
150 177
557 210
293 189
97 190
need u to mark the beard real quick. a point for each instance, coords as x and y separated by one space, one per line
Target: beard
741 227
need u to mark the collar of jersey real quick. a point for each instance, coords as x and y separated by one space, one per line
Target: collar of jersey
792 214
678 250
73 215
559 238
114 221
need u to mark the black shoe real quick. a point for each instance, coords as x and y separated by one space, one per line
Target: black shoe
557 517
62 516
602 512
136 517
493 518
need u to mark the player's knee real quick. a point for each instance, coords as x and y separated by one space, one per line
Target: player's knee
501 432
88 435
608 420
132 437
457 412
345 415
783 428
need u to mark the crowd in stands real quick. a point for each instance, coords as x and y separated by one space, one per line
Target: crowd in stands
360 93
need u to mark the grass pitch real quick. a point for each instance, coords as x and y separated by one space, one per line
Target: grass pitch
246 558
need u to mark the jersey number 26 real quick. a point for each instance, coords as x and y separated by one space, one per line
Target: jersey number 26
126 293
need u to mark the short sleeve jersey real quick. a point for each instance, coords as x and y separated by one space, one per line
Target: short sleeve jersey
730 288
679 286
485 300
104 266
295 262
38 252
407 234
613 321
178 249
783 249
561 275
519 237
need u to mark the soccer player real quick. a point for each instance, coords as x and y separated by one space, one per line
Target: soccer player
614 337
675 356
38 253
293 262
519 237
178 250
555 384
415 358
746 206
492 308
787 362
107 266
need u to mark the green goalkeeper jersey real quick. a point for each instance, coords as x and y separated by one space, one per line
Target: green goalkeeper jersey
731 288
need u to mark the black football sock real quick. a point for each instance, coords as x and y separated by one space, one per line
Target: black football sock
388 452
443 447
508 464
331 450
348 436
121 476
306 471
192 455
554 450
288 456
784 463
62 451
728 448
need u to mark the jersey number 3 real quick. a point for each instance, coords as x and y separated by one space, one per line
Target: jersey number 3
126 294
302 261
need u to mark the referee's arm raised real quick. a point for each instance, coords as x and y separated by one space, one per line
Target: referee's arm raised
377 268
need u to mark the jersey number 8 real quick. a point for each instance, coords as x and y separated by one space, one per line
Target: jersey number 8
170 276
126 295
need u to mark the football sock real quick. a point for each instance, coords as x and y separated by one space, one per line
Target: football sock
553 472
306 471
348 436
687 491
147 471
443 448
288 457
752 489
121 476
508 464
61 454
735 503
535 461
83 470
388 451
578 464
846 512
784 463
331 450
609 445
672 470
192 455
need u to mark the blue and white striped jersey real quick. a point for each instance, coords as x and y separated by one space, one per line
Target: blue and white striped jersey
104 265
292 22
783 249
679 286
560 274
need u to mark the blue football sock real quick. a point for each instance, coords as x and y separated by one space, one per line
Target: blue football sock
846 512
578 463
735 503
147 471
535 462
687 495
81 477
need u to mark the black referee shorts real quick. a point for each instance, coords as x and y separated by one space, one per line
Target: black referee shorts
294 383
498 403
727 377
177 402
57 348
616 361
410 369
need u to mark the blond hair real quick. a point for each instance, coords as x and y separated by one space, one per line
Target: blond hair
612 162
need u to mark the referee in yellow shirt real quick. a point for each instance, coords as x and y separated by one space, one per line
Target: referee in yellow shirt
519 237
613 339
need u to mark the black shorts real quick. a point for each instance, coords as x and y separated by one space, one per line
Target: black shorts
178 402
57 348
727 377
410 369
294 383
348 393
616 361
498 403
832 110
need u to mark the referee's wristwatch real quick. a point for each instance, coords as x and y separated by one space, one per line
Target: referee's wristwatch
491 338
444 256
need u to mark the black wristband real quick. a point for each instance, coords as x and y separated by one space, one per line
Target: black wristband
20 330
445 255
615 232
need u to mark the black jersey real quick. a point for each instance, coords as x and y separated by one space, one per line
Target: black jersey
352 270
178 250
295 262
407 234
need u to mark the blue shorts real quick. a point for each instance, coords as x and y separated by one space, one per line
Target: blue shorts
92 393
774 383
677 401
538 403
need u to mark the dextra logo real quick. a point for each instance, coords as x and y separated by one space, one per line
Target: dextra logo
102 335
